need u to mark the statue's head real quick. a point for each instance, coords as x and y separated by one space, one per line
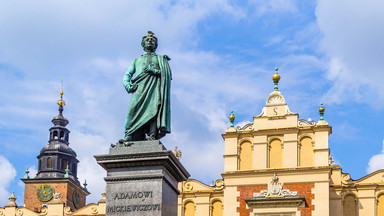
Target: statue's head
149 42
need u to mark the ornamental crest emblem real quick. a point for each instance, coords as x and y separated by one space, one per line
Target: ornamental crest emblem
275 189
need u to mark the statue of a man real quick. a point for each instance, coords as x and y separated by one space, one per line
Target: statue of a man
149 114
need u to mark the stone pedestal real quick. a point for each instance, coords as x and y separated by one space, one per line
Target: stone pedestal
142 179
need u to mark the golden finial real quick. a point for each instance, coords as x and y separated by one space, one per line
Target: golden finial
85 184
66 172
26 174
321 111
276 76
232 118
61 102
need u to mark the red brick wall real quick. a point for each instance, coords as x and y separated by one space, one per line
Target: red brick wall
30 197
302 189
66 193
69 201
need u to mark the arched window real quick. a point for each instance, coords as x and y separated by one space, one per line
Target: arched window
49 163
189 209
380 205
55 135
350 208
245 158
64 164
306 152
62 135
217 208
39 164
275 154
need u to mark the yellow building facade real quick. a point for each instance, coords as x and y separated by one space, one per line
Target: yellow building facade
277 165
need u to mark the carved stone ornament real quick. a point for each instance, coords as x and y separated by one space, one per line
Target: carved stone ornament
177 153
104 196
302 123
219 184
188 186
275 98
346 179
248 126
19 212
330 160
67 210
12 201
43 211
275 189
94 210
56 196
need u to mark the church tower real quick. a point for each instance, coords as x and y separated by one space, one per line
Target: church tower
57 170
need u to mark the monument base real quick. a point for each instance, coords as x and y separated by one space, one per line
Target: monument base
142 179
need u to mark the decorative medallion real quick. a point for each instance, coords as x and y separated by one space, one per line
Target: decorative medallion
188 186
275 197
275 189
275 99
76 199
45 192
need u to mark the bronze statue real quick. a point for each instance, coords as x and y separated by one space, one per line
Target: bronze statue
149 114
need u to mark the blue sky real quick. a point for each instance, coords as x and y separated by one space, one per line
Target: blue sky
223 56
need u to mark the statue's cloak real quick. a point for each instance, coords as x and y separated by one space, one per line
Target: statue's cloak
151 99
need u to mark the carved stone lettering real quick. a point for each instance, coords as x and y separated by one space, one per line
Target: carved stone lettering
133 195
134 208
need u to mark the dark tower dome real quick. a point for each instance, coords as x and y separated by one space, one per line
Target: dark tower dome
55 157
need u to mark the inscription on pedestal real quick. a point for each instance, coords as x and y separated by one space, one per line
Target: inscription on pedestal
146 197
133 198
142 180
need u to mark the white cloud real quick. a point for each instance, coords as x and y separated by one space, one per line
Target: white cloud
353 43
376 162
86 146
94 174
32 171
8 174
